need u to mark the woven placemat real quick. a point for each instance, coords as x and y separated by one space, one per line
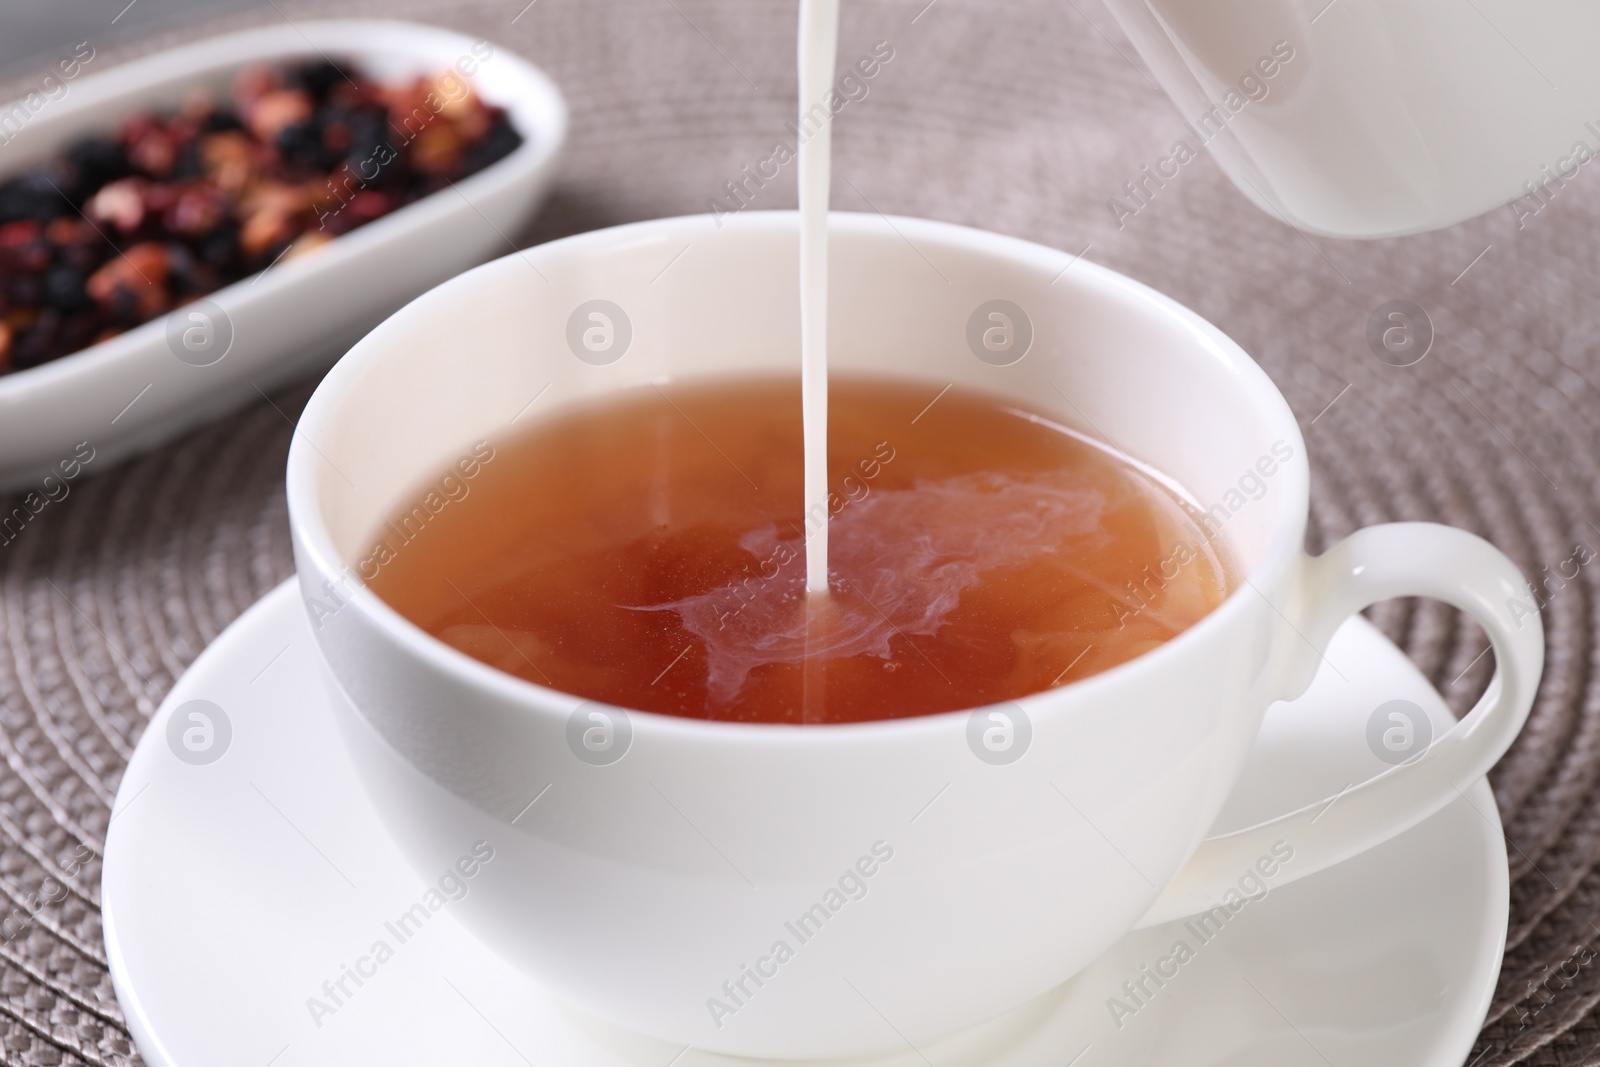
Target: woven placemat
1023 117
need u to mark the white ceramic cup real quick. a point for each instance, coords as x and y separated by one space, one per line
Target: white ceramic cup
1389 116
921 876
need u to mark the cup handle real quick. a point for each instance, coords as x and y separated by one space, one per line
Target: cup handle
1400 559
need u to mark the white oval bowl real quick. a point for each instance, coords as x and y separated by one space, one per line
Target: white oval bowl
130 392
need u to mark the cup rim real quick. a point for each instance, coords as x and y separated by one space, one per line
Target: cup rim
313 542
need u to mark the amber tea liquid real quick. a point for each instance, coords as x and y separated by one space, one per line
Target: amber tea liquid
649 552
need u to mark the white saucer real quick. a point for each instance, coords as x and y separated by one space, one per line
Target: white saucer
233 890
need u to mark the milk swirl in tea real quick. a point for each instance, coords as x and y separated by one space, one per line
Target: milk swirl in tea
648 551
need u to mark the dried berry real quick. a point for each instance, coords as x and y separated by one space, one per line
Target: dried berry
154 152
33 194
221 119
300 145
368 205
133 284
190 166
69 232
23 249
91 163
186 274
229 160
317 79
197 211
123 228
64 289
119 205
24 292
497 144
276 110
221 249
34 347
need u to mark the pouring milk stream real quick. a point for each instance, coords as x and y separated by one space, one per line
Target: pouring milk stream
819 39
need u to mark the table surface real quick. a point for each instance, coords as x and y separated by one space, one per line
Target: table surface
1022 117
